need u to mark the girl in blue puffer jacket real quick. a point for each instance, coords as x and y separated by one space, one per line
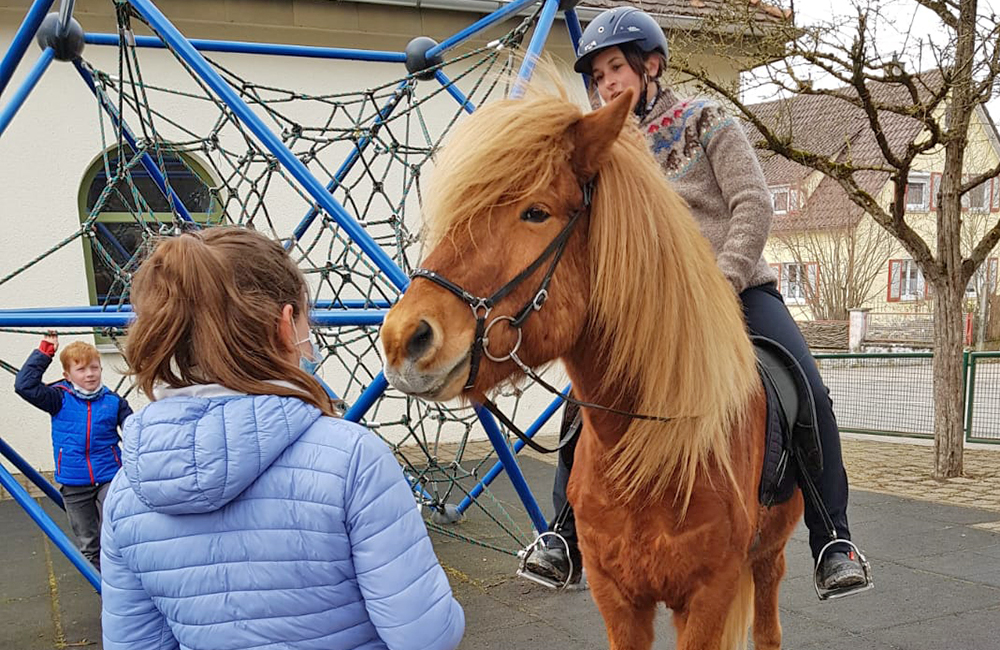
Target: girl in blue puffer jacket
246 516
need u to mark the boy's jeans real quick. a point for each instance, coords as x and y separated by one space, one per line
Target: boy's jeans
85 507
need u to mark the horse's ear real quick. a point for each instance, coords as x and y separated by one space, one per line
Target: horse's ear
594 133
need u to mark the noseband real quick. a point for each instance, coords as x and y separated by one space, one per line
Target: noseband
483 307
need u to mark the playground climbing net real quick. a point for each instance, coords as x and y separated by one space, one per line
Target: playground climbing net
370 145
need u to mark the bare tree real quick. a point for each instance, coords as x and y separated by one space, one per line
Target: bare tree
983 283
937 85
849 259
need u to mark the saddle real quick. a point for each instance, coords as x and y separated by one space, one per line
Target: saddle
792 442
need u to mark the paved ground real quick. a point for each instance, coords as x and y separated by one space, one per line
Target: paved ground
934 546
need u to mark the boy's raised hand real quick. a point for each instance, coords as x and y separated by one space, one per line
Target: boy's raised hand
52 337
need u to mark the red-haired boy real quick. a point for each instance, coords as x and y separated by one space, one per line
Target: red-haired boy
86 416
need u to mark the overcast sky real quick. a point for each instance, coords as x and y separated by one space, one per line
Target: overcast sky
904 25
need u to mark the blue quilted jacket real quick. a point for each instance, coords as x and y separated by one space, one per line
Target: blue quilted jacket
244 521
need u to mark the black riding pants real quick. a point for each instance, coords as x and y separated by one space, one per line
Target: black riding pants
766 315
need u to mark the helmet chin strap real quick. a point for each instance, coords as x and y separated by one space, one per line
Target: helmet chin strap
643 106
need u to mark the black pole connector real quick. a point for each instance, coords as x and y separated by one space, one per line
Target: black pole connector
566 5
416 57
68 43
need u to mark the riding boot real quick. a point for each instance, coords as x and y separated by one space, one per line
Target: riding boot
561 563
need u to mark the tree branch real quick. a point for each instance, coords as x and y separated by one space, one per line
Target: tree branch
941 9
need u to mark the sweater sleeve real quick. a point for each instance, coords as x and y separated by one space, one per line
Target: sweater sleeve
28 384
406 592
739 175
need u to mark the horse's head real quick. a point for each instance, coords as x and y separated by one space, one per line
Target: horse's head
508 215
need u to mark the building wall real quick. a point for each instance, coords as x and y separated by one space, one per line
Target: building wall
56 137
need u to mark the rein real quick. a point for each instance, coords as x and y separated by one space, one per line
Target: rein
483 307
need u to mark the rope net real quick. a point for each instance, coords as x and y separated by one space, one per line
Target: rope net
369 147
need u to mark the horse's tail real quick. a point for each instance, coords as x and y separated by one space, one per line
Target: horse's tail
737 625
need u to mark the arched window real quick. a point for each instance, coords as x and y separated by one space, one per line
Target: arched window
129 209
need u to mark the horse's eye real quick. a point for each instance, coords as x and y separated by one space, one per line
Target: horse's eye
534 215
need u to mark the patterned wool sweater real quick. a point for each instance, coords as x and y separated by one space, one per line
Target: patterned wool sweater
712 165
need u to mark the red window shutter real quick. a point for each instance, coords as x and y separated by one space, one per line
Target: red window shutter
895 280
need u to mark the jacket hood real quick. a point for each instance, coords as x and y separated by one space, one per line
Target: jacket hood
195 450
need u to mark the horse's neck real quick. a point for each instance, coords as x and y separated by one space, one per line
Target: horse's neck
584 367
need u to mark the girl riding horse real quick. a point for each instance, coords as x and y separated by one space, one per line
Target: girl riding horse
712 165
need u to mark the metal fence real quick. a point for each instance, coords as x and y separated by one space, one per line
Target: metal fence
893 393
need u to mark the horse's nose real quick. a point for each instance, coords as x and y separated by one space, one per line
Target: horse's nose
420 341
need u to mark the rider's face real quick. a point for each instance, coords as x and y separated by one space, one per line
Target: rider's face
612 74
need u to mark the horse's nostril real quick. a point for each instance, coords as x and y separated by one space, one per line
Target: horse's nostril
421 340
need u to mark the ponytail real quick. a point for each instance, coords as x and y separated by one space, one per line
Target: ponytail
207 308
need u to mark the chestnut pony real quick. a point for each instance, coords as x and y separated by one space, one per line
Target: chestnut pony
645 323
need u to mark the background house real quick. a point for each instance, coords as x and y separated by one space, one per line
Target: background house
829 254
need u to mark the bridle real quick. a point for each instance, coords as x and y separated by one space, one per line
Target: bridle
483 307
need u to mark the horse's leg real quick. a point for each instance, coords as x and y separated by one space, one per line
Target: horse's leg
768 564
767 573
709 623
680 622
629 625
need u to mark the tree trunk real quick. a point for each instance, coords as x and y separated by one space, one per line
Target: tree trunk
949 379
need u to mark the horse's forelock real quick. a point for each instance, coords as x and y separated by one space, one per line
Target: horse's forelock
502 154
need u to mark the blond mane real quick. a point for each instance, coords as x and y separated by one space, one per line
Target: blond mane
671 324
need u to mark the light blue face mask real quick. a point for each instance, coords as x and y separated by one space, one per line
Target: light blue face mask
87 395
309 361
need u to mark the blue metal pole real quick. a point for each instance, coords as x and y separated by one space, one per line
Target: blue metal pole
369 396
127 308
22 38
417 488
478 26
146 160
355 156
513 470
256 125
14 318
453 90
49 527
518 446
65 14
575 34
19 97
538 38
33 475
349 318
101 228
243 47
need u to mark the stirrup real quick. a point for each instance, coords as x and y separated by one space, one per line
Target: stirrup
524 571
843 592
